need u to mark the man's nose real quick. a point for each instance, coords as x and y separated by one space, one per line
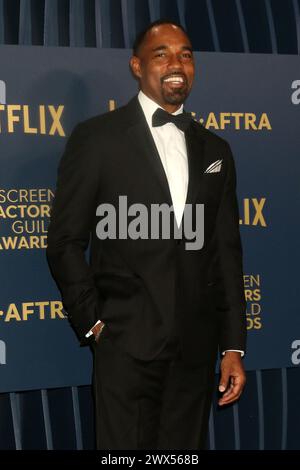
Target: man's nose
175 62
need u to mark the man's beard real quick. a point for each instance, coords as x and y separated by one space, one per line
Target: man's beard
175 96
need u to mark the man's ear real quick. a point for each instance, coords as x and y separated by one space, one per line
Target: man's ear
135 65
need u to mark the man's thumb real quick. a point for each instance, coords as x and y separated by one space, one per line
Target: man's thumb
223 383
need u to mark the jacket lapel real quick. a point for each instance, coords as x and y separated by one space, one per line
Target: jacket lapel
195 144
141 138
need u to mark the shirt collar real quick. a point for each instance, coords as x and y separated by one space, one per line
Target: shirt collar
149 107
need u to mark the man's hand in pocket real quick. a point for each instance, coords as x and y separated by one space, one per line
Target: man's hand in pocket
97 329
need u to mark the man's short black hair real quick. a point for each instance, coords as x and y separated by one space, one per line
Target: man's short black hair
141 36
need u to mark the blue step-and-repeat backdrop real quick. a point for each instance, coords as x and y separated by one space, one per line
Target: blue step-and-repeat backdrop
251 100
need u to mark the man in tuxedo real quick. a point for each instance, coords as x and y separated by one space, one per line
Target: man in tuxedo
154 311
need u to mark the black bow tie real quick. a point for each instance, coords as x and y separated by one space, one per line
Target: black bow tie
161 117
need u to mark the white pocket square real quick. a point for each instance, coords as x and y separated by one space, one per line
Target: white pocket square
215 167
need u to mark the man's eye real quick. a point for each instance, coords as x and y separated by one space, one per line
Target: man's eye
187 55
160 54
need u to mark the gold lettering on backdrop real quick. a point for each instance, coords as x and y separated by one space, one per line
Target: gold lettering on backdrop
11 117
24 217
111 105
26 195
237 120
224 119
27 128
264 122
56 310
56 125
21 210
251 280
25 311
29 226
12 313
250 119
252 213
246 212
253 296
26 243
258 206
212 122
44 119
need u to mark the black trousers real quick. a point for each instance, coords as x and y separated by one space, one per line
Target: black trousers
158 404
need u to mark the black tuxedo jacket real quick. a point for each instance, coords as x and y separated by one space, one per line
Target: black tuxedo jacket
140 287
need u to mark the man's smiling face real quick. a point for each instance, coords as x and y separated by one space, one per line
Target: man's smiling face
164 65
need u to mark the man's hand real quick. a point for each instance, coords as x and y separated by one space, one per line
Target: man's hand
233 377
97 330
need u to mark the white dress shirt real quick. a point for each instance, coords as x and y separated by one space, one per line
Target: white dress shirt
171 146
